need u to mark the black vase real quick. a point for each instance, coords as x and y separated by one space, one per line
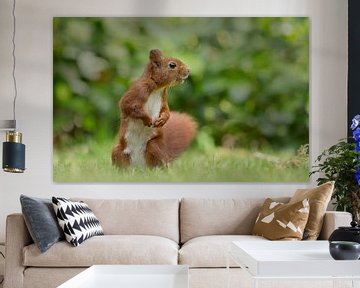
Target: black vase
351 234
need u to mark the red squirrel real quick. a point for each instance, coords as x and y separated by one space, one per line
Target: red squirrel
149 134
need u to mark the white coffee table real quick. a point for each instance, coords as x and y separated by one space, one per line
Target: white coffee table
131 276
296 260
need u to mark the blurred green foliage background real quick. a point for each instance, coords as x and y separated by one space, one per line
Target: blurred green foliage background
249 83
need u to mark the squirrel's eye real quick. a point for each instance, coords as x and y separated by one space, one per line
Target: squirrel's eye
172 65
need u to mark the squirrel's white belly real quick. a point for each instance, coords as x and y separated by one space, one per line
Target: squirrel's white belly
137 134
153 105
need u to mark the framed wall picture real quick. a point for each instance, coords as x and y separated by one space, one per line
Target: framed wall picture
181 99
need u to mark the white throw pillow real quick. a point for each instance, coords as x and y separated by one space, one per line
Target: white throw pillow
76 220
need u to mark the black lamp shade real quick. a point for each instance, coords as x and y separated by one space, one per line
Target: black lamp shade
13 157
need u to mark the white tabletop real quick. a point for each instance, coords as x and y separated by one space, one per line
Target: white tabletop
131 276
291 259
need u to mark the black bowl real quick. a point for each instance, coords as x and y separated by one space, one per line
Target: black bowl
344 250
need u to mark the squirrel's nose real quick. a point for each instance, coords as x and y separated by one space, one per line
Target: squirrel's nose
188 71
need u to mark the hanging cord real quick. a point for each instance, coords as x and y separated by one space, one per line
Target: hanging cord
14 61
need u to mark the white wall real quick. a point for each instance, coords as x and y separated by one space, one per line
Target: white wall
34 75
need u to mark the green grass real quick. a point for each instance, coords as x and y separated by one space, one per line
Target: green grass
92 163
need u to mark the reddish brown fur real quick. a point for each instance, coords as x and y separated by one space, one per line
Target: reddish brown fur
179 131
173 132
176 136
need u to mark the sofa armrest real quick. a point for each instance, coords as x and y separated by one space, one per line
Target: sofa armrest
333 220
17 237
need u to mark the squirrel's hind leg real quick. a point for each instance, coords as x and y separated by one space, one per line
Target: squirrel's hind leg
155 153
118 157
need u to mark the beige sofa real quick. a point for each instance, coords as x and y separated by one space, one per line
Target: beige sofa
194 232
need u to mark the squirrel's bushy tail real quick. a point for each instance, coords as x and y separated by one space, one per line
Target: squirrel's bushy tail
178 131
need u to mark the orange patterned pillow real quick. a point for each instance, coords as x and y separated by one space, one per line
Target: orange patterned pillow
279 221
319 198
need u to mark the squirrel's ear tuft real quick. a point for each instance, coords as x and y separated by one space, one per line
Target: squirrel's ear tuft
155 55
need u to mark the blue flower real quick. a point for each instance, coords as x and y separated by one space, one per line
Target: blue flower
356 134
357 176
355 122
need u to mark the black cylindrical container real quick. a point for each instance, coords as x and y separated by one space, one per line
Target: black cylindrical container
13 153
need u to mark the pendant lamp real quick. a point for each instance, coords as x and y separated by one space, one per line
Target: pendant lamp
13 158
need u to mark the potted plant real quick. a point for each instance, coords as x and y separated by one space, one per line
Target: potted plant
341 163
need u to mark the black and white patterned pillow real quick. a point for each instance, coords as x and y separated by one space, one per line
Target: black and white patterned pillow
77 220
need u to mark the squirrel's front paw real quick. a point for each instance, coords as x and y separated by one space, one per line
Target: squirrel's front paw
163 118
159 122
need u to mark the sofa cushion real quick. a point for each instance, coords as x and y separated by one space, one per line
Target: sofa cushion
279 221
211 251
158 217
107 249
35 277
41 221
319 198
200 217
77 220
